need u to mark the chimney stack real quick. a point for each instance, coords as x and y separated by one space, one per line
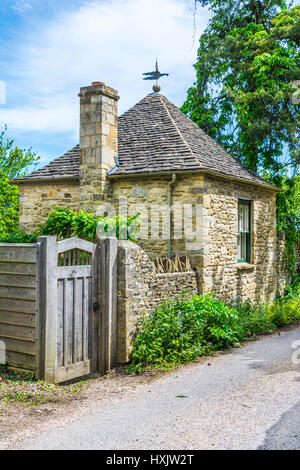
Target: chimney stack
98 142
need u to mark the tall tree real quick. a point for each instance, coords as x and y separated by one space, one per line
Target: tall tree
14 162
248 61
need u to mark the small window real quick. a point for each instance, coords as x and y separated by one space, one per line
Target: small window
244 231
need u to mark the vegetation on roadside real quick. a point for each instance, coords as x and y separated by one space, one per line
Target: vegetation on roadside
23 388
65 223
182 330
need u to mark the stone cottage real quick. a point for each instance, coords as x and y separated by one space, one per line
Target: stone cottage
156 161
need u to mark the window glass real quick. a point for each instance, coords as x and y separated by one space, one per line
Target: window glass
244 231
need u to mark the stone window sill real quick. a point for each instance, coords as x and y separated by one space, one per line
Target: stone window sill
244 266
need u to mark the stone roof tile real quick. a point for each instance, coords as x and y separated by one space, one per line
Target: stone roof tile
154 136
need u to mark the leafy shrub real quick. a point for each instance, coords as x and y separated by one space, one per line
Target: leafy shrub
20 237
283 313
65 223
182 330
254 319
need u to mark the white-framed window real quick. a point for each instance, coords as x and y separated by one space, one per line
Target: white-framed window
244 231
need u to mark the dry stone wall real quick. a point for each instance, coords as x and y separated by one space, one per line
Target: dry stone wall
140 290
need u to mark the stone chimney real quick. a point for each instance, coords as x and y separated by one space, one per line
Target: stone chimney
98 142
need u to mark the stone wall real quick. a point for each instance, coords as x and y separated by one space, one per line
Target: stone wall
222 273
36 200
213 251
140 290
149 197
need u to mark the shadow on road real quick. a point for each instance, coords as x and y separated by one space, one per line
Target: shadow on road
285 433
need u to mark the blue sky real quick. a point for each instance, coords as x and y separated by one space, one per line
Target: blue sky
49 48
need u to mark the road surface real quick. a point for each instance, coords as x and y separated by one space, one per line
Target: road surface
246 398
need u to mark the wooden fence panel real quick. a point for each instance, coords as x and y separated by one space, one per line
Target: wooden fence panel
18 304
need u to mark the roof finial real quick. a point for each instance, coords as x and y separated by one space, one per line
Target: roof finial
156 75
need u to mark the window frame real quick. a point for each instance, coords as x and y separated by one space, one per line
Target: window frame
247 203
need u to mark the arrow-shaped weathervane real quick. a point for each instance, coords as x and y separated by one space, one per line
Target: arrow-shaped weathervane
156 75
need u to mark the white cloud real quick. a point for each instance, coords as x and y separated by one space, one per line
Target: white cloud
22 6
112 41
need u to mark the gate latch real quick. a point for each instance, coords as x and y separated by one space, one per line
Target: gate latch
96 307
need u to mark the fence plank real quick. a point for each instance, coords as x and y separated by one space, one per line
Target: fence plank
85 321
47 308
20 361
17 280
71 272
73 243
26 347
60 323
78 321
95 315
18 268
72 371
17 293
11 318
17 332
18 253
21 306
68 324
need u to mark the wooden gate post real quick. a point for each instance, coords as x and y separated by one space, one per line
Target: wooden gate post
108 349
47 323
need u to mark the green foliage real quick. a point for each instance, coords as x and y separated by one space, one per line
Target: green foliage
14 162
65 223
20 237
288 214
180 331
248 61
248 58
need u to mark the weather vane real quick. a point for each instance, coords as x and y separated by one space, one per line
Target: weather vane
156 75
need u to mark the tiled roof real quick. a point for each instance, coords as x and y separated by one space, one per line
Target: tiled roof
154 136
65 166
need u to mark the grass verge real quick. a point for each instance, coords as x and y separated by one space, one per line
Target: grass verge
23 388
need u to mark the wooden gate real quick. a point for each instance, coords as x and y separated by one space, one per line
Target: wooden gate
68 308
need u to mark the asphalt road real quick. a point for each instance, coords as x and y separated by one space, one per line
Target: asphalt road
247 398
